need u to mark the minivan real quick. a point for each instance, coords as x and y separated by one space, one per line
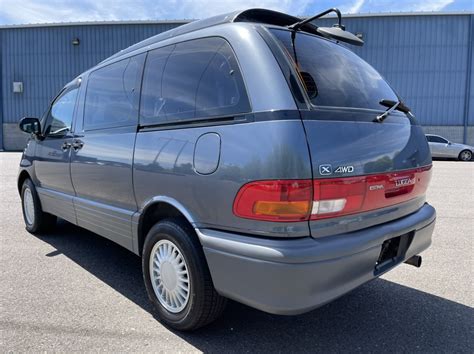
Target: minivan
250 156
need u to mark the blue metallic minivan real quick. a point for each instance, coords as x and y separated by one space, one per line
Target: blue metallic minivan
250 156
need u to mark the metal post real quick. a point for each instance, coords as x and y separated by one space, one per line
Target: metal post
467 92
1 96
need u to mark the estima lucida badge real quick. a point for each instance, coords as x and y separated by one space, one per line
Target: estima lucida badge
405 182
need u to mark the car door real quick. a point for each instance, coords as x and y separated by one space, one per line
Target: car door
53 152
437 146
442 146
102 153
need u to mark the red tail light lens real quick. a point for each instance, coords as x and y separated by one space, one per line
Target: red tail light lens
351 195
276 200
338 196
301 200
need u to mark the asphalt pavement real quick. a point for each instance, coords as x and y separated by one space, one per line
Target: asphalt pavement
71 290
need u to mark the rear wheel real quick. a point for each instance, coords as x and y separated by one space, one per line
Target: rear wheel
177 278
36 220
465 155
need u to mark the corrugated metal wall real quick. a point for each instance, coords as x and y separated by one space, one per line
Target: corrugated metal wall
470 88
44 59
426 58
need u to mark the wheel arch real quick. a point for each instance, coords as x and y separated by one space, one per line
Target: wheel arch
159 208
463 150
22 177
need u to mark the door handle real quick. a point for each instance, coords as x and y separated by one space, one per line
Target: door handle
66 145
77 144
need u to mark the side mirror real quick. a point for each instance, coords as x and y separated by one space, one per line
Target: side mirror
450 143
30 125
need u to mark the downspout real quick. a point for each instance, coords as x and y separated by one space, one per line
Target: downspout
467 95
1 93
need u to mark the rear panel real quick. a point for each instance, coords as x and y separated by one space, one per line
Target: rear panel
365 172
167 162
343 149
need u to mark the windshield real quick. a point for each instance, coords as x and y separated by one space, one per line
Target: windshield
333 75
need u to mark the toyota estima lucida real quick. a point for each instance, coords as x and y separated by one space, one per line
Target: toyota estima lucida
250 156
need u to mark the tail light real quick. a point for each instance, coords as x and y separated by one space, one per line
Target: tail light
275 200
302 200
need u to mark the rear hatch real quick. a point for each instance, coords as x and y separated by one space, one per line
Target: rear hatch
365 172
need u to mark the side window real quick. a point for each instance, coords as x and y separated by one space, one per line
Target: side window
438 139
59 119
152 99
443 140
429 138
192 80
112 95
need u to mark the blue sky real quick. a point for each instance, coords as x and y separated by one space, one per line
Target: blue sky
44 11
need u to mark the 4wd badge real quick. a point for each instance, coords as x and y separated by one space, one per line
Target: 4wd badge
326 169
344 169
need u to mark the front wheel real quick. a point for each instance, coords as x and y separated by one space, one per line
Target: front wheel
177 278
465 155
36 220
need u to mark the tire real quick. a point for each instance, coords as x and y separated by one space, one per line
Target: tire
200 304
465 155
36 220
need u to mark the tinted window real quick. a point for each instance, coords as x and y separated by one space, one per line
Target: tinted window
333 75
152 99
113 94
192 80
436 139
60 115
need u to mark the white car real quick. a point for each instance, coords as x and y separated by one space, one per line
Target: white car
442 147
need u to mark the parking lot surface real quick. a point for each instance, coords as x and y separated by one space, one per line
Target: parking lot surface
73 290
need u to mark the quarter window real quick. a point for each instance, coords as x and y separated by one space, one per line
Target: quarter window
113 94
60 115
192 80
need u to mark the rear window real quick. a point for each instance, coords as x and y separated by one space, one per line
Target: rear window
334 76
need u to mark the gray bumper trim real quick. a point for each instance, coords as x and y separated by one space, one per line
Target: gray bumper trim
307 249
293 276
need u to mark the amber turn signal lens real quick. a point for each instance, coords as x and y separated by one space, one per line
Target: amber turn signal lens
282 209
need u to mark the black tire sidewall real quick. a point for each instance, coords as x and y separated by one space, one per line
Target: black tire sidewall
460 154
193 256
35 226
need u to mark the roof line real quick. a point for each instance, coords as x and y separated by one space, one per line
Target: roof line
98 23
184 21
416 13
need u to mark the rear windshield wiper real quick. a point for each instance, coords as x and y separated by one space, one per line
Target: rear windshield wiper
392 105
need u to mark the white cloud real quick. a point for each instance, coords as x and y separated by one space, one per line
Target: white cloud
432 5
354 8
33 11
399 5
41 11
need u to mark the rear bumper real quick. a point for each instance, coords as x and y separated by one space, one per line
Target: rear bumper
294 276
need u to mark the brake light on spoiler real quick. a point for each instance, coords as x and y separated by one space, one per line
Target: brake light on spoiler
302 200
